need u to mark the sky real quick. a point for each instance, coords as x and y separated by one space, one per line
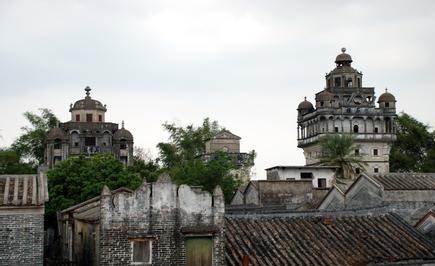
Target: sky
244 63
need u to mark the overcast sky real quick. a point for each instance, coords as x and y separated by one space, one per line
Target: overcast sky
246 64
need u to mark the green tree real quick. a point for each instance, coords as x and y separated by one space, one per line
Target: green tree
31 144
181 158
339 150
80 178
10 163
414 149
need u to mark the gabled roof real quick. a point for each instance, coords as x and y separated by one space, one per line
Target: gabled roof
23 190
226 134
407 181
322 240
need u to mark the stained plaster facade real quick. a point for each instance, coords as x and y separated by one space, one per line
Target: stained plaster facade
166 215
321 176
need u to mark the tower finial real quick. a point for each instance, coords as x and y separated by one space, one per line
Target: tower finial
305 98
386 90
87 89
122 123
343 50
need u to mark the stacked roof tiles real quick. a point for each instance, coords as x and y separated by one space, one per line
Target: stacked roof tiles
22 190
351 240
407 181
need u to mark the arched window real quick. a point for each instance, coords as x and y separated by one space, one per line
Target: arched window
57 144
355 129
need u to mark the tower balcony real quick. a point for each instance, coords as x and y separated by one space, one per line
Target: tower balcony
359 137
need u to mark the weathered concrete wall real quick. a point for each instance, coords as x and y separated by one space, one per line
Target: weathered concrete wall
166 215
285 192
22 239
409 195
226 145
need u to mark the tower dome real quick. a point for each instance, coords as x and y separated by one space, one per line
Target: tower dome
386 97
123 134
343 59
305 105
88 103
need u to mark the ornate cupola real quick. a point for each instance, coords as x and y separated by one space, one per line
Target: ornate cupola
344 75
87 109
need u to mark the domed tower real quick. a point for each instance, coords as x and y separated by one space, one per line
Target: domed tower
88 133
344 106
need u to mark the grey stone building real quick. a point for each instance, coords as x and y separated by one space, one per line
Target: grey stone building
22 199
88 133
157 224
345 106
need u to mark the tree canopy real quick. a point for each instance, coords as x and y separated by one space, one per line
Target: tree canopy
80 178
10 163
414 149
180 157
32 142
339 150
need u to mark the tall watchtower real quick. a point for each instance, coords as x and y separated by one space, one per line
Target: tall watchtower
346 107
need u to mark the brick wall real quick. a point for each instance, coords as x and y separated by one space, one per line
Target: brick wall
21 239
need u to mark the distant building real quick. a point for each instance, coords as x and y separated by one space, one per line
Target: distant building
158 224
346 107
88 133
229 143
411 195
22 200
321 176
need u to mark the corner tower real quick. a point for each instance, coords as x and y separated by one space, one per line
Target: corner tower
346 107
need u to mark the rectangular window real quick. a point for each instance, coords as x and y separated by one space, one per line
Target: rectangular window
321 182
336 129
306 175
141 252
337 82
77 118
357 171
88 117
90 141
199 251
376 170
375 152
376 130
100 118
356 151
387 105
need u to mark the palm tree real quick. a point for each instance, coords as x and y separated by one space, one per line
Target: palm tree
339 150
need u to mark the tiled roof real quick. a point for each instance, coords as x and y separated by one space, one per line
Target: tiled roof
407 181
22 190
346 240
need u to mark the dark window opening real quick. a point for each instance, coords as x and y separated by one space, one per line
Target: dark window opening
336 129
123 146
355 129
76 144
359 82
57 144
90 141
77 118
376 130
141 252
123 159
375 152
57 159
376 170
337 82
356 151
349 83
100 118
104 144
387 105
357 171
321 182
88 117
307 175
